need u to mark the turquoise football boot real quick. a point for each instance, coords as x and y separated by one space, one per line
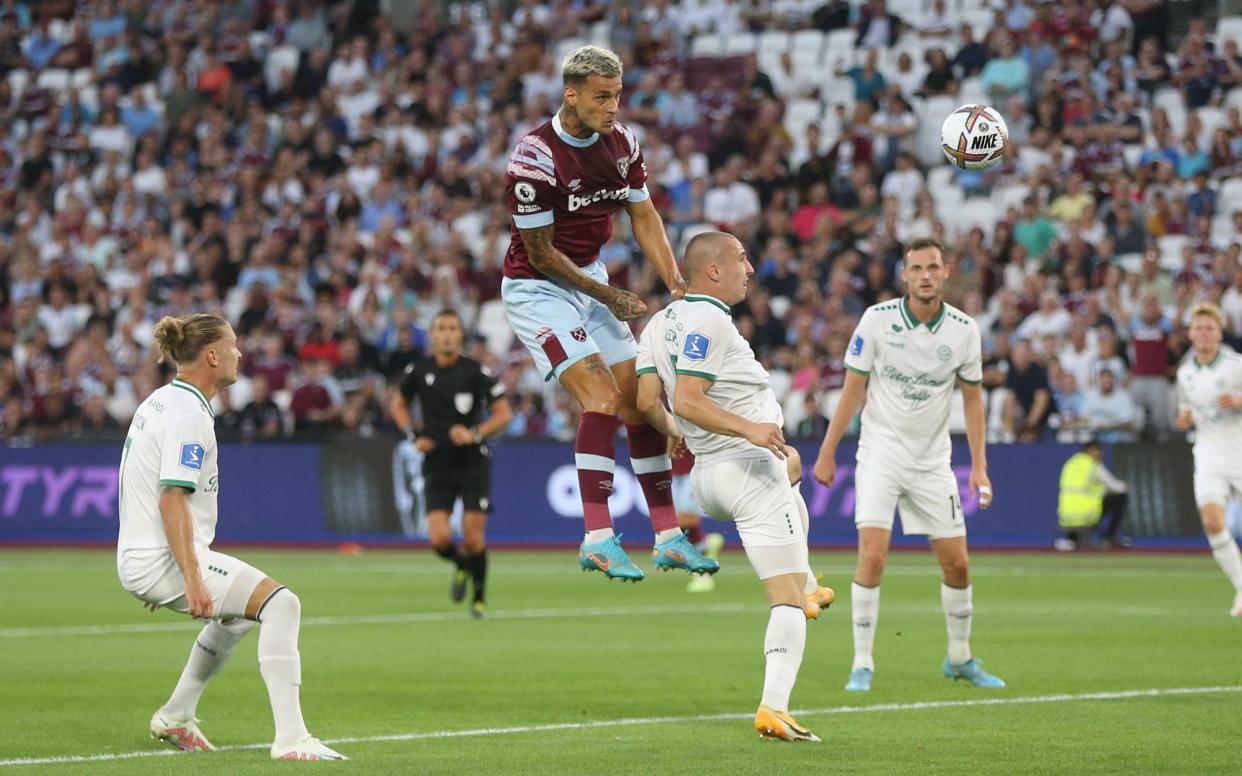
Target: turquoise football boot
860 680
608 557
972 671
679 553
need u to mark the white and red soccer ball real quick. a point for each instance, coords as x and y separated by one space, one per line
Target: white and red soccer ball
974 137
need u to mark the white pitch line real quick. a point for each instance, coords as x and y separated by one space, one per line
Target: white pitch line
389 619
636 721
187 626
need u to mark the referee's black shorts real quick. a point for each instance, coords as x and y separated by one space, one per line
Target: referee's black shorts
449 477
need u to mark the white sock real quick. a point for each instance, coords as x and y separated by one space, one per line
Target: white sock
864 611
1225 550
597 536
957 614
804 515
212 648
281 665
667 535
783 645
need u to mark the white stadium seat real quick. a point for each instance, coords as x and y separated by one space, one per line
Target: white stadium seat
808 40
56 79
740 43
706 46
1228 27
774 41
280 59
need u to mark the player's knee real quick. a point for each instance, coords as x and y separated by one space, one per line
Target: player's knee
283 606
956 572
871 563
473 544
1213 519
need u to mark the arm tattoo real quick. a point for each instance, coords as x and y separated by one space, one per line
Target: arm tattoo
556 265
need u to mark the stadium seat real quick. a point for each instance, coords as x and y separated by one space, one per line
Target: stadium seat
706 46
806 61
971 91
688 233
1174 104
1171 250
17 81
774 41
1129 262
837 91
1211 118
81 77
802 112
1230 192
563 47
839 49
89 96
280 59
1234 98
1223 232
56 79
1006 197
1228 27
740 43
808 40
828 404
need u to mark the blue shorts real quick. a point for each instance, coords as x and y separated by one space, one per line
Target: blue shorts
561 326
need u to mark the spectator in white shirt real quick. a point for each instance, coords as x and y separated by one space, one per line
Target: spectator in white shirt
61 319
1050 318
732 203
1113 414
350 65
1231 304
1077 355
904 182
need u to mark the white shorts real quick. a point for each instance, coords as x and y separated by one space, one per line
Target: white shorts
683 496
930 502
561 326
153 576
1216 487
754 493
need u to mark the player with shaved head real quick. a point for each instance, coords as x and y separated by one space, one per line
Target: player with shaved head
730 419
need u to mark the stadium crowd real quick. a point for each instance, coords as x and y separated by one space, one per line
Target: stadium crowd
330 177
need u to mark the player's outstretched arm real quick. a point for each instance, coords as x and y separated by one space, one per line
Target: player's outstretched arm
550 261
852 395
690 401
651 236
650 389
976 436
175 514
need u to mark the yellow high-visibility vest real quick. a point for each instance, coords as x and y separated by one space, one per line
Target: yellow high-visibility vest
1081 501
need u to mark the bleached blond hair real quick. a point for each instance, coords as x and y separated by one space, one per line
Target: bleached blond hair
586 61
1211 311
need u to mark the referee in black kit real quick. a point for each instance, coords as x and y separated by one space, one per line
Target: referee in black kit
454 390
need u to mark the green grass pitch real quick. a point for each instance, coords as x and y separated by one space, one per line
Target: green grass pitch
1122 663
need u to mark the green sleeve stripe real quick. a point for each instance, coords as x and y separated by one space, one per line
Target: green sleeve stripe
179 484
970 382
647 370
692 373
859 371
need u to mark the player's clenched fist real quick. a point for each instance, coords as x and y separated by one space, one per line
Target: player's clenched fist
825 470
768 436
624 305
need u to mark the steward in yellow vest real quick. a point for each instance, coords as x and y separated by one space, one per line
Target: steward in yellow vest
1088 491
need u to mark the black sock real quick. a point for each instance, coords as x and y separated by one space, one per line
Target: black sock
477 566
449 552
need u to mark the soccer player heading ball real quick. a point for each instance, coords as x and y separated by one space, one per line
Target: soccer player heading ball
564 182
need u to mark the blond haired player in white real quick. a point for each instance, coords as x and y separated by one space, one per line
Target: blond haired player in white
1209 394
169 482
730 419
905 358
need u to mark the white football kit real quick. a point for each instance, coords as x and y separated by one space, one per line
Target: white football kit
732 478
904 450
172 442
1218 432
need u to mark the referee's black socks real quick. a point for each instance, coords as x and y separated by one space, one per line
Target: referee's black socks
477 566
450 553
